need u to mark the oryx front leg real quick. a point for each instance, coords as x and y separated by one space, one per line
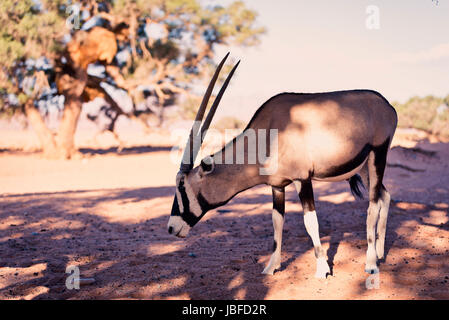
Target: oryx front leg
278 224
311 223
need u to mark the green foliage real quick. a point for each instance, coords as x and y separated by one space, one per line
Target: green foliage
27 30
234 24
446 100
168 65
428 113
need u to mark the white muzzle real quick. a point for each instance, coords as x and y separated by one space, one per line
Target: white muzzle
178 227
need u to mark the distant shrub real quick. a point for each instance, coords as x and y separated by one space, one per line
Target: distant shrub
429 113
189 107
229 123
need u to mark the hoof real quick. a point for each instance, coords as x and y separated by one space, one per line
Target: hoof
371 269
321 275
270 270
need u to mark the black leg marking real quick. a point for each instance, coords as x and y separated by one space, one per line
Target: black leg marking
278 222
187 215
319 252
306 196
279 199
377 209
380 161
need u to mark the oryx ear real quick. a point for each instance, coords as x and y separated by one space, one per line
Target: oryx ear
207 166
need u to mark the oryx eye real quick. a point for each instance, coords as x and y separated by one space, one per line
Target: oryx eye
207 165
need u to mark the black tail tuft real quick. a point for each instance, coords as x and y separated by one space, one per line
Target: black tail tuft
355 182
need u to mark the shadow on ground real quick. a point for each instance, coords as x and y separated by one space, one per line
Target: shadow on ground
119 237
124 151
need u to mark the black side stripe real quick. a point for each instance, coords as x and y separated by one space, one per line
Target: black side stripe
339 170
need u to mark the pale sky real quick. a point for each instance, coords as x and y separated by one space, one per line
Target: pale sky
315 46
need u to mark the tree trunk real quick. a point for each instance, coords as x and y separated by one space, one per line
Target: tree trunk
61 145
65 139
71 86
45 136
99 44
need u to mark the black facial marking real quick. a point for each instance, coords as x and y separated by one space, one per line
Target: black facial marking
306 196
187 215
190 218
183 193
175 208
204 204
348 166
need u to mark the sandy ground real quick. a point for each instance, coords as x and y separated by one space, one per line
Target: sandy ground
107 214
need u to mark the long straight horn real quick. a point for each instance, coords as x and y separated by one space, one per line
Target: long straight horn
189 155
214 107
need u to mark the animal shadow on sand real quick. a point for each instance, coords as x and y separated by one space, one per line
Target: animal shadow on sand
131 255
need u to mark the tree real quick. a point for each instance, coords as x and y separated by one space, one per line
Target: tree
148 48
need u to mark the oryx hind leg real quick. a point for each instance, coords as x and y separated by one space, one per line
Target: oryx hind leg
379 201
382 223
278 224
305 191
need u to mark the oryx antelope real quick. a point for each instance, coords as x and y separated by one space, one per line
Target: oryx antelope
332 136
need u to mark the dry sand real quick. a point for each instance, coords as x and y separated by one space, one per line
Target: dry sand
107 214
